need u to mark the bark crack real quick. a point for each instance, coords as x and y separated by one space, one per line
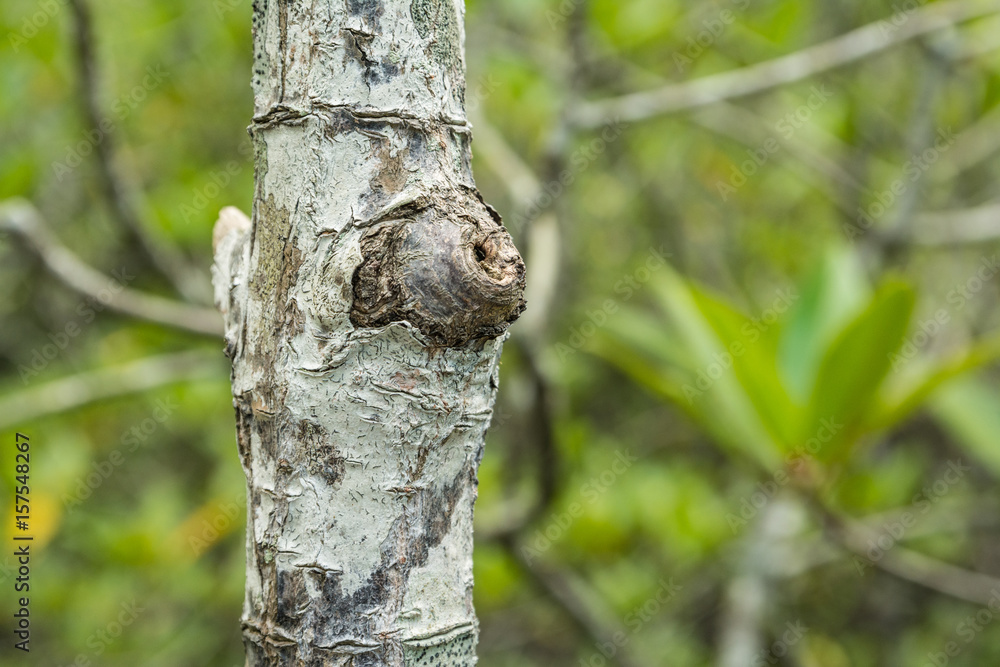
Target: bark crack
286 114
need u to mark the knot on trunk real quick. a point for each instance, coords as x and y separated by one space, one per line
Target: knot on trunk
445 264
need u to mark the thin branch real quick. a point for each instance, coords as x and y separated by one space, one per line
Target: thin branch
544 242
750 129
933 574
165 256
522 184
524 188
562 589
746 127
749 595
818 551
928 572
76 391
21 217
976 144
934 68
851 47
959 227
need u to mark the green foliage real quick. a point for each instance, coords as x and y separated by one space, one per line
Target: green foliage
808 374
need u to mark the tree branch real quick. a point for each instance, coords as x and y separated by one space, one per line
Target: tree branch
912 566
837 52
928 572
749 594
166 257
91 386
544 242
559 588
976 144
958 227
20 217
744 126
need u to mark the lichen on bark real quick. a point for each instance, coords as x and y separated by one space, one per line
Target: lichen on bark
366 304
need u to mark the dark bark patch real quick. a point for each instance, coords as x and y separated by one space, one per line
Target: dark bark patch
369 11
358 47
243 424
264 406
279 262
436 518
295 319
283 46
323 459
392 174
357 44
343 617
292 600
447 266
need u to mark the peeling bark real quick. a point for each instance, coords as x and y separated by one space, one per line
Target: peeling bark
365 307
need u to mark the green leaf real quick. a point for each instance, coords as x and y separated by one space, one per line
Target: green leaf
827 300
713 396
854 366
649 337
614 346
751 349
969 410
898 403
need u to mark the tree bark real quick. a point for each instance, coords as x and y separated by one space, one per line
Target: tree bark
365 308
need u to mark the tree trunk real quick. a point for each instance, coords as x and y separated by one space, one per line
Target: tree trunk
365 309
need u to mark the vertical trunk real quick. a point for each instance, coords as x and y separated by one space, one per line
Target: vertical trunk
365 308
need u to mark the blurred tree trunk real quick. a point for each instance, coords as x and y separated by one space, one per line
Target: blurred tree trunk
365 309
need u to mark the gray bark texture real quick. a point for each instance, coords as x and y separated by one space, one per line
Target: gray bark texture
365 306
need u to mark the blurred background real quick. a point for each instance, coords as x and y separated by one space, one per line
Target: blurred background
751 417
